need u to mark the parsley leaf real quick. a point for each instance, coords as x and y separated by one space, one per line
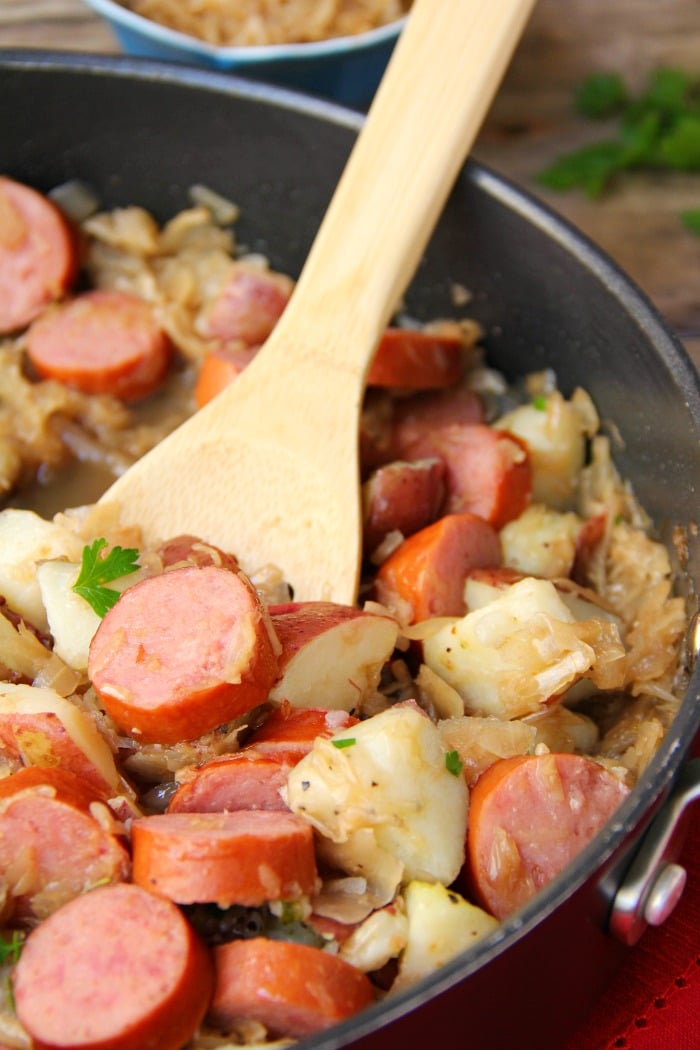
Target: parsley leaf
345 741
453 763
691 220
679 148
11 947
97 570
658 129
601 95
590 168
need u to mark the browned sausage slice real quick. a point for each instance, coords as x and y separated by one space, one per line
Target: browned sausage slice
292 989
38 254
291 731
101 342
422 414
247 779
248 306
425 575
183 652
51 846
245 857
218 368
116 969
412 359
488 472
528 818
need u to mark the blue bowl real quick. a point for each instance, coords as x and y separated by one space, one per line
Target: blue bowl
344 69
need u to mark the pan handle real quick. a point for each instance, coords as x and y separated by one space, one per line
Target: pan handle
654 882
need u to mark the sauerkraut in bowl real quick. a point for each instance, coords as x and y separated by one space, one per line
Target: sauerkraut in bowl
316 805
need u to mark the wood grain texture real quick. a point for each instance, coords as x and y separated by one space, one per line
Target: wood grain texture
532 121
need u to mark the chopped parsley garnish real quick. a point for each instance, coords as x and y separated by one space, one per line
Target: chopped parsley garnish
97 570
540 403
10 947
656 130
346 741
453 763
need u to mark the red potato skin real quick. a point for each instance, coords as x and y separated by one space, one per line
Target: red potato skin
295 623
291 731
41 739
248 306
38 254
412 359
403 497
52 849
426 573
247 779
116 969
101 342
244 857
191 550
487 472
293 989
182 653
542 809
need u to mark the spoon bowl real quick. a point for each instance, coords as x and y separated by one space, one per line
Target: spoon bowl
270 468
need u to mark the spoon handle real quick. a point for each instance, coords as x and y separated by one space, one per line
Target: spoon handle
441 79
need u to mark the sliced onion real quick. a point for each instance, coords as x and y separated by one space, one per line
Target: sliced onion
76 199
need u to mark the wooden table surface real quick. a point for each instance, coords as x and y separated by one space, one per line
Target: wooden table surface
532 122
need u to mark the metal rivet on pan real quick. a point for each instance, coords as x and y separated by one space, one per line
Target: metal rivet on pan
665 893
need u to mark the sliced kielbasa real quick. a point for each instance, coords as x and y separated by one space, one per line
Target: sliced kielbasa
529 816
246 857
414 359
292 989
38 254
425 575
291 731
182 653
247 779
488 472
116 968
52 848
101 342
422 414
220 367
248 306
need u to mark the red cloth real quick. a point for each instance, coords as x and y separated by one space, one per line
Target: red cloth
654 1002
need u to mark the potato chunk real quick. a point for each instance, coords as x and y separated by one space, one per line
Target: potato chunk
541 542
513 655
383 798
25 541
441 924
556 438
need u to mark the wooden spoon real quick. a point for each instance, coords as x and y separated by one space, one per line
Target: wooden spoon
269 469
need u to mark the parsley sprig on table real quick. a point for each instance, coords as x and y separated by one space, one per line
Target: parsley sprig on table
656 130
97 570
